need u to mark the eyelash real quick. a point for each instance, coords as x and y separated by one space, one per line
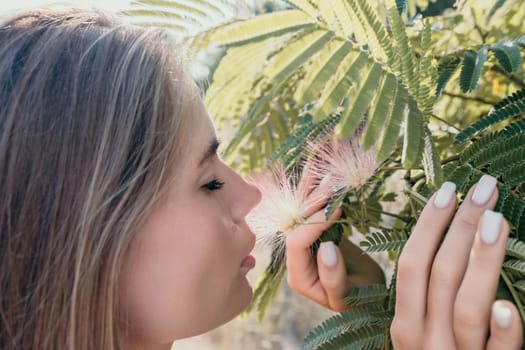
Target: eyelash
213 185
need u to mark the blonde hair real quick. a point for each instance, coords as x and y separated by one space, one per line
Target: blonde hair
90 126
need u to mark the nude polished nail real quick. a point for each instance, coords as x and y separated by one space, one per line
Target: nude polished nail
445 194
328 253
484 189
502 315
490 226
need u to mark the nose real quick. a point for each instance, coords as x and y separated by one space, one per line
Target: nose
247 198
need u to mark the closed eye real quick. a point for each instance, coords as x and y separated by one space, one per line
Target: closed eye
213 185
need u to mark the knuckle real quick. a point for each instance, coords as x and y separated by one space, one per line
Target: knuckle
443 275
467 220
401 333
405 267
467 318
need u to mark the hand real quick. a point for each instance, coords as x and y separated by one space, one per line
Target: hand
446 287
326 281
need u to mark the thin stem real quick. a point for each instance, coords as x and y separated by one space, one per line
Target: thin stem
469 98
447 123
515 295
324 222
511 76
402 218
416 195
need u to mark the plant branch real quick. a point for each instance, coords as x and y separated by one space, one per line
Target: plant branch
511 76
469 98
515 295
402 218
445 122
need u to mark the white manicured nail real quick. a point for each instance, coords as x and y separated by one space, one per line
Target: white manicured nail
484 189
502 315
328 253
490 226
444 195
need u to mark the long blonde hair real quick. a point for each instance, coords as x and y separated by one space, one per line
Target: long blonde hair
90 125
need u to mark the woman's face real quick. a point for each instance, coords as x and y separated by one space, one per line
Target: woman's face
186 271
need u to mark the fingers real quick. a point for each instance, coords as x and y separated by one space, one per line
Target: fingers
505 327
414 267
332 275
303 275
478 289
451 260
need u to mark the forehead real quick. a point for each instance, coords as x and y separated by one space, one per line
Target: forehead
202 134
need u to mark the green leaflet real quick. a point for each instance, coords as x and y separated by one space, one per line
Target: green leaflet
360 295
295 54
348 73
384 241
431 162
404 51
380 111
375 35
413 136
446 69
367 337
388 140
401 6
354 112
321 70
494 9
262 27
340 323
507 108
515 248
472 66
508 55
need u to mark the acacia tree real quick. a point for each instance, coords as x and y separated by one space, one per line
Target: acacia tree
438 95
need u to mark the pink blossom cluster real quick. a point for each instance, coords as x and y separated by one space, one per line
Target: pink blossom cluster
288 199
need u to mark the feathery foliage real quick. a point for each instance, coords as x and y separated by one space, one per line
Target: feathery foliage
436 94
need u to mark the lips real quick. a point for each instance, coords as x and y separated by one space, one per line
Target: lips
247 263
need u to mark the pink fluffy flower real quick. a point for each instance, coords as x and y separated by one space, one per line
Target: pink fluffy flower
344 161
287 201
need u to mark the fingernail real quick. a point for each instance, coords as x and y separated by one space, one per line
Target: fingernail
490 226
444 195
502 315
484 189
328 253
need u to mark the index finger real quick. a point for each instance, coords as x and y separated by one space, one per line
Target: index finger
303 275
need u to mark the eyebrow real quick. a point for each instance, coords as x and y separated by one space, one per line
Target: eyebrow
211 151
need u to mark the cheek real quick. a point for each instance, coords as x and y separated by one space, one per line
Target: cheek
182 276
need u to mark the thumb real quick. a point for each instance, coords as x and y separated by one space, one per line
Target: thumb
332 274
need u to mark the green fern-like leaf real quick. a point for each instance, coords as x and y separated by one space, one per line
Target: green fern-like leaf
446 69
471 70
507 53
460 176
366 337
340 323
356 109
505 109
388 141
515 248
494 9
516 268
267 286
383 241
293 147
380 112
262 27
360 295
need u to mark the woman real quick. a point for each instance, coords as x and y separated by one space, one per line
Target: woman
120 228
